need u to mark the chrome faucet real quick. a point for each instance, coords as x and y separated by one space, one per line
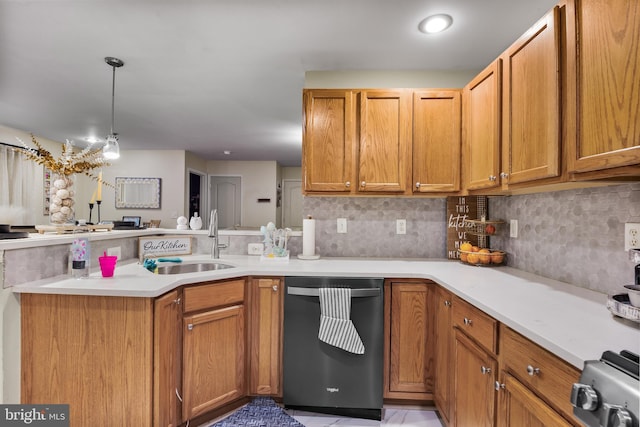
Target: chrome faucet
213 233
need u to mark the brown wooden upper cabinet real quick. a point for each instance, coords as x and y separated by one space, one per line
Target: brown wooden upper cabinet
384 145
328 140
381 141
437 116
481 128
531 109
603 62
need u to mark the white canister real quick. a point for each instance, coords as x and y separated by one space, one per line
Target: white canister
196 222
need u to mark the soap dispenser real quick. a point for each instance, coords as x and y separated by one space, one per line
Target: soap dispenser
196 222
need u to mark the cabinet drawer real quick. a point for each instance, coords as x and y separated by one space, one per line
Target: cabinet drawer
213 294
541 371
476 324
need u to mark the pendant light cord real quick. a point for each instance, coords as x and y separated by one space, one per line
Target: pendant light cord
113 97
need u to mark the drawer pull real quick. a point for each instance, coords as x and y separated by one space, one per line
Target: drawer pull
499 386
417 185
485 370
275 288
176 301
447 303
467 321
347 184
532 371
363 184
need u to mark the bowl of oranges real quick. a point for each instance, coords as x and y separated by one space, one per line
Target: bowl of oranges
474 255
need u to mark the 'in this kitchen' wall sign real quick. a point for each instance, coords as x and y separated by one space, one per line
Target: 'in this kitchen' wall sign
460 209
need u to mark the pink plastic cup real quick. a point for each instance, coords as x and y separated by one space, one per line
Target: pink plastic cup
107 265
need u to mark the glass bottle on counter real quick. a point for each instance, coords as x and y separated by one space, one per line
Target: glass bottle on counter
80 253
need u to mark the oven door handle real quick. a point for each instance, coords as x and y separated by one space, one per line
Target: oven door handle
313 292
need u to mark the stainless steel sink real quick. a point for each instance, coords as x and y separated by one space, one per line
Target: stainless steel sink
192 268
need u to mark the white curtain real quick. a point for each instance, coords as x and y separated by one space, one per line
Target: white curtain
20 189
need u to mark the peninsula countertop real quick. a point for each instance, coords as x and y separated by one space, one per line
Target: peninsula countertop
570 321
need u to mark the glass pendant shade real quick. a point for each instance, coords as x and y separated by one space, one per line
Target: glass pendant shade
111 149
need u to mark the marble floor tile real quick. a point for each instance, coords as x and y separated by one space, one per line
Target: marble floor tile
393 417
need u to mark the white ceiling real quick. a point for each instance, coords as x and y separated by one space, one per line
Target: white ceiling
214 75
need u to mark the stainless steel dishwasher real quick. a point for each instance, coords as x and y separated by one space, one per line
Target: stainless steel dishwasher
320 377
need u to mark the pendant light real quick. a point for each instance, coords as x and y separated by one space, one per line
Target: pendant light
111 149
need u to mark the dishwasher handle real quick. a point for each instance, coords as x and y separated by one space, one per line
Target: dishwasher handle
313 292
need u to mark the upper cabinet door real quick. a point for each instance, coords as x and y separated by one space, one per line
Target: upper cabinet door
436 141
385 141
481 129
328 140
531 104
603 56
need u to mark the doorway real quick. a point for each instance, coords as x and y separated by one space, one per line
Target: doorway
225 193
291 203
197 192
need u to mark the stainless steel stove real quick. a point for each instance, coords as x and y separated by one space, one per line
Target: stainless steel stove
608 393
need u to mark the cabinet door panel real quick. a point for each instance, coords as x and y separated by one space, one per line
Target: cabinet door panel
166 360
328 140
520 407
444 341
436 141
474 393
531 113
481 131
265 337
603 54
385 132
214 359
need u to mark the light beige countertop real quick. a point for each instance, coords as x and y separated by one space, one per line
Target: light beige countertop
569 321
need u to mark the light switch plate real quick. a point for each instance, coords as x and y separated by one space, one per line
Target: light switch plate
342 225
513 229
255 248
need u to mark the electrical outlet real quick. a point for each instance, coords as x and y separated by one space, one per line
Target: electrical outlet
255 248
342 225
513 229
631 236
401 226
115 251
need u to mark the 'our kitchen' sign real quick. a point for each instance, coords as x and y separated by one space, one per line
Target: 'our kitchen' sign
163 246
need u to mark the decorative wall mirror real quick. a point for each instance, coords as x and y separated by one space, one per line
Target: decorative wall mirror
138 193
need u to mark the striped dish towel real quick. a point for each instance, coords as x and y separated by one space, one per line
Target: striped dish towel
336 327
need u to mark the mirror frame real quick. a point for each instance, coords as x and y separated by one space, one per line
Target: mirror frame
123 202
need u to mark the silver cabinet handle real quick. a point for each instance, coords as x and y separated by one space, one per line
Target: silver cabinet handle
417 185
467 321
492 178
363 184
504 175
447 303
190 326
485 370
532 371
499 386
275 288
178 395
347 184
176 301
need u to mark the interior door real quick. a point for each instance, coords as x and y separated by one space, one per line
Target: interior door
225 193
292 203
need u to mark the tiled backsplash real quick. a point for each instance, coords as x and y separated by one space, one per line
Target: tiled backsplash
575 236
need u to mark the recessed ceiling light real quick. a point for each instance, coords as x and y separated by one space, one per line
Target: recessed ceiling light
92 139
435 23
227 152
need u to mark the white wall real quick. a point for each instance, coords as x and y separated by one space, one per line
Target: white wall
259 179
168 165
388 79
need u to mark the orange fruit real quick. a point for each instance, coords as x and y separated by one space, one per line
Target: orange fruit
497 257
466 246
463 256
473 258
484 256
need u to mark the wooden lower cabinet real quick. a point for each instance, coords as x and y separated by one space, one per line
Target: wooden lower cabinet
474 384
94 353
265 336
214 359
443 351
409 346
520 407
167 357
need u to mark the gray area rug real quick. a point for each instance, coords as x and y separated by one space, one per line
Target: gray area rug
260 412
